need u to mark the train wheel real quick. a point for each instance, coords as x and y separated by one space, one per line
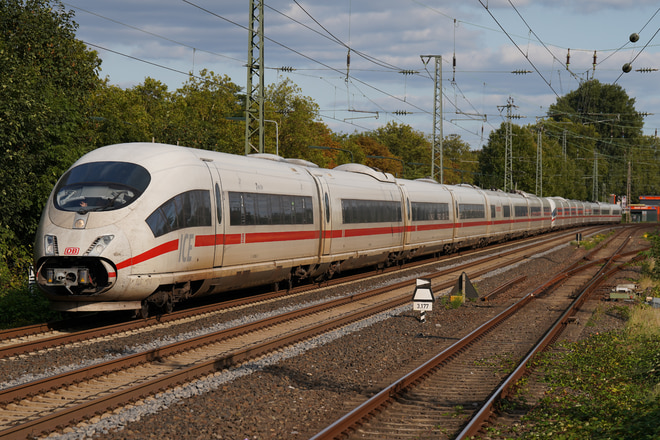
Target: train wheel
169 304
144 310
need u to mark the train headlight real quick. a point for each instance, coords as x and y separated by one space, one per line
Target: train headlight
50 245
99 245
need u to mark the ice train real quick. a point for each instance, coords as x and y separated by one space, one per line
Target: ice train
139 224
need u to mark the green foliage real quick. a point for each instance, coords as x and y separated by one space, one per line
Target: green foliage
46 76
602 387
20 307
652 268
411 146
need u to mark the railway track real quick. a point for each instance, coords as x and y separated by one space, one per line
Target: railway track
45 336
453 394
64 399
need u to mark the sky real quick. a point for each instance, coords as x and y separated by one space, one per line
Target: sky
481 44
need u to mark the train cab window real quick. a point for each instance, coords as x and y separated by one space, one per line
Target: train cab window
424 211
185 210
218 203
269 209
101 186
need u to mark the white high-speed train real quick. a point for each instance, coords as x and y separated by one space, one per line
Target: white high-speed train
135 224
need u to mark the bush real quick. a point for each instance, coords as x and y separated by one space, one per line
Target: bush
24 307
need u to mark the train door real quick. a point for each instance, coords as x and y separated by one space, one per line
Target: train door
326 215
220 216
406 214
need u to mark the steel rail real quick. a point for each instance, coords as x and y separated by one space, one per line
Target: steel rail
477 421
99 332
344 425
66 416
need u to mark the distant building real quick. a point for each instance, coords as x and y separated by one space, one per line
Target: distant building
648 210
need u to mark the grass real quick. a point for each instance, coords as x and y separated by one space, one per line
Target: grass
604 387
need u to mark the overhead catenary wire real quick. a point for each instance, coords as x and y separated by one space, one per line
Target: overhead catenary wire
519 49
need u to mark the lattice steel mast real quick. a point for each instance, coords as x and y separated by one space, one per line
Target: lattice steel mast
254 99
436 150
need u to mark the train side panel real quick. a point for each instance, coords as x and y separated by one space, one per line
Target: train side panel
367 216
432 217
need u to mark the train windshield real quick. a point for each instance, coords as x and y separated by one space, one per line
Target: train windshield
101 186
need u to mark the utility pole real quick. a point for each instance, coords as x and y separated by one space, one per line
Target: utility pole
254 99
539 162
594 190
436 149
508 148
628 182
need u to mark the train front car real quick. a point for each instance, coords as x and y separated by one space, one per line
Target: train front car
95 233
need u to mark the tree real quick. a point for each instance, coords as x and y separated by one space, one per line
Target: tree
616 124
199 111
375 154
46 76
459 162
491 159
296 117
411 146
118 115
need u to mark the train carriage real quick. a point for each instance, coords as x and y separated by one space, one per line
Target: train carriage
500 223
365 216
431 217
470 211
131 225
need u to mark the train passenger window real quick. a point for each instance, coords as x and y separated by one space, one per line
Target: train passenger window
506 211
370 211
546 210
471 210
218 203
327 208
269 209
535 211
521 211
101 186
492 211
185 210
423 211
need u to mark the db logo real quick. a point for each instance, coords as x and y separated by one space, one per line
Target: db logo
71 251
